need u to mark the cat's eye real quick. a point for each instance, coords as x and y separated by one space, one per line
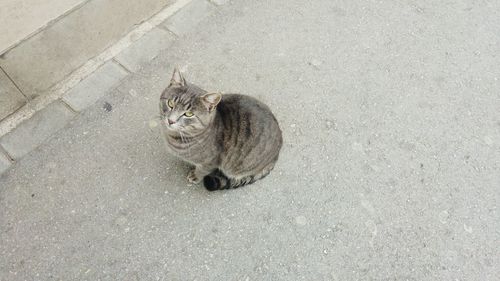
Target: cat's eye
189 114
170 103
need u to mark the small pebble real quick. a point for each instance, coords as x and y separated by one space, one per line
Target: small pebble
356 146
153 124
467 228
375 168
122 220
301 220
488 140
316 63
330 124
443 216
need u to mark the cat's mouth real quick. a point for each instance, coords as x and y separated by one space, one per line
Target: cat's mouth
172 127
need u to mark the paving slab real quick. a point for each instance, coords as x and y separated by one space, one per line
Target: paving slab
10 97
145 49
187 19
49 56
34 131
18 21
89 90
389 169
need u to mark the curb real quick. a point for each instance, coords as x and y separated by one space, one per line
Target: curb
56 92
106 70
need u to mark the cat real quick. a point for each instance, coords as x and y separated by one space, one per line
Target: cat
231 139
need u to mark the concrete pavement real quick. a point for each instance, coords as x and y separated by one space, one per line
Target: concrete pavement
390 168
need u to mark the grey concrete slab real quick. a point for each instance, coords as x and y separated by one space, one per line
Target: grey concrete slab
389 169
17 22
187 19
52 54
4 162
89 90
34 131
145 49
10 97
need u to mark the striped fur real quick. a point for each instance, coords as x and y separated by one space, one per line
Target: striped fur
231 140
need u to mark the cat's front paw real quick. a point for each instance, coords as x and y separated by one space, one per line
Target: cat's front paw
192 178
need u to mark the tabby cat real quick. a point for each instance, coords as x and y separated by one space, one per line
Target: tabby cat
231 140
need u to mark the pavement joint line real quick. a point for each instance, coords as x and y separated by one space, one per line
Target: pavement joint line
13 83
121 65
65 103
57 91
43 27
4 152
215 3
163 27
212 3
168 30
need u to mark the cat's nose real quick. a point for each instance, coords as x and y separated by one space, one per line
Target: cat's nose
170 122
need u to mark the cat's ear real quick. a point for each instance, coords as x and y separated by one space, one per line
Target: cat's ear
177 80
211 100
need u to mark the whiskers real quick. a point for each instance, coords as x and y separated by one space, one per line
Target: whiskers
158 118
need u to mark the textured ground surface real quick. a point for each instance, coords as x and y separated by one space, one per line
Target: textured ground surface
390 168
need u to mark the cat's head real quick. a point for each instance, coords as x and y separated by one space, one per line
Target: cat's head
185 108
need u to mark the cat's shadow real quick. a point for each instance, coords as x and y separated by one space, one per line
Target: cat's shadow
173 172
176 176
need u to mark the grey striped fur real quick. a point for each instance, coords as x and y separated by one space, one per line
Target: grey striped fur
231 140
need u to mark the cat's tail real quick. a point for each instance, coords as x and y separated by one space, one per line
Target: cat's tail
218 181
